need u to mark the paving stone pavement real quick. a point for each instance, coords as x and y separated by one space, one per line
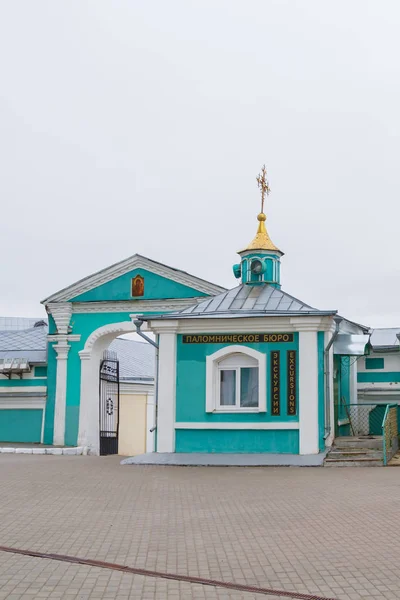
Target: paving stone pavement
329 532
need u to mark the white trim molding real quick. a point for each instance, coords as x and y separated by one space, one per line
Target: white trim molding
23 389
276 324
72 337
130 264
141 389
212 381
138 306
61 313
28 403
112 329
276 425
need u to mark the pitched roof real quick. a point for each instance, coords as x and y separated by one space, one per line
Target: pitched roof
24 343
137 261
136 360
247 301
12 323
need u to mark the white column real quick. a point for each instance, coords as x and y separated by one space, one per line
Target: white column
62 349
166 386
88 434
308 392
308 382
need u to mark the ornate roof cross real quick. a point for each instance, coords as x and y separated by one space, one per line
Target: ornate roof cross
263 185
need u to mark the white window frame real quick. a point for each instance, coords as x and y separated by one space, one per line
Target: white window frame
213 370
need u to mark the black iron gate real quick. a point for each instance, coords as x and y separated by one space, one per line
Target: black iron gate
109 403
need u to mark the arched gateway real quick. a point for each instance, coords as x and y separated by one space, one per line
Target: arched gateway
84 318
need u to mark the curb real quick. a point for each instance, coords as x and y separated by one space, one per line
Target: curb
78 451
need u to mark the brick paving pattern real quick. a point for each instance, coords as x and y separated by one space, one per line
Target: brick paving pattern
329 532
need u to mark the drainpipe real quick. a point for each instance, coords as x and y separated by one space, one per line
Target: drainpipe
138 323
337 320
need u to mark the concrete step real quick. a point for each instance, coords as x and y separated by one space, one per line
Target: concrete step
353 462
337 452
359 443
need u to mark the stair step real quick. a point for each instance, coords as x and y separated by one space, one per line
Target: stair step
372 454
353 463
369 458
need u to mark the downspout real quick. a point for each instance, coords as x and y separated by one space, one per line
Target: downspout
138 323
337 320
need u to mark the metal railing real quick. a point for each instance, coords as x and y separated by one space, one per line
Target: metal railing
390 433
360 419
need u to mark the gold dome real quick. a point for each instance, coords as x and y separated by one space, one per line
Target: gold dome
262 241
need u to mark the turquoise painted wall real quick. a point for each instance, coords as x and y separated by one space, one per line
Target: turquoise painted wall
83 324
374 377
207 440
40 372
321 390
155 287
191 399
20 425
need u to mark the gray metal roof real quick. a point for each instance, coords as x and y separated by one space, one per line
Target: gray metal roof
13 323
385 338
24 343
136 360
247 301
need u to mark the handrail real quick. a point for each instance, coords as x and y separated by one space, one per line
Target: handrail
385 418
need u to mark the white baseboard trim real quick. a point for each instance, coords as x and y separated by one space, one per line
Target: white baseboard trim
249 425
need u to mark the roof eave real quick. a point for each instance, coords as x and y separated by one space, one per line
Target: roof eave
241 315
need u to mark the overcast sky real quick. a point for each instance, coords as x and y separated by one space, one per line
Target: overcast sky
140 126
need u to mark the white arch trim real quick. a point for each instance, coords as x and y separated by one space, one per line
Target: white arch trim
90 357
114 329
212 373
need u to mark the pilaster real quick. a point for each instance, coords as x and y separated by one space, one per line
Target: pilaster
166 385
62 349
308 383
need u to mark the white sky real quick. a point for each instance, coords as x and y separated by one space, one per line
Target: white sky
140 126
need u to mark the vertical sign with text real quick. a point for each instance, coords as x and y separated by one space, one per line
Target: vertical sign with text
275 383
291 382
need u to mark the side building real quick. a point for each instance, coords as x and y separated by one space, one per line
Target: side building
23 386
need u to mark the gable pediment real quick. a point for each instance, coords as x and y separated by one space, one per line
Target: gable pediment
115 283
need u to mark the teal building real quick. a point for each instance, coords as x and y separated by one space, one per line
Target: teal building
251 369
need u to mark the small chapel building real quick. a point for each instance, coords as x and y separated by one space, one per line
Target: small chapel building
247 370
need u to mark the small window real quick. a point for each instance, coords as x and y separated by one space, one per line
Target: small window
374 363
236 380
238 386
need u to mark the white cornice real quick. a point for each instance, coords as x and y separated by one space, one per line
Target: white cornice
133 262
72 337
136 388
61 313
135 306
244 325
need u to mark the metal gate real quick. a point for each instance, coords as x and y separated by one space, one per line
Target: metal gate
109 403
